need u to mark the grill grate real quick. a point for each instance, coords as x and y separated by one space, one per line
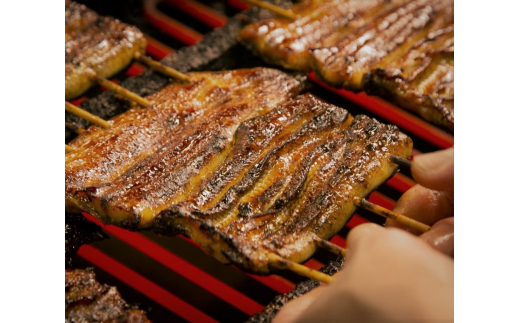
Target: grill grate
170 277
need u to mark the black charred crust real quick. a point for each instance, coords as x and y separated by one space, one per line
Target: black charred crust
295 186
270 310
247 181
79 231
87 300
239 253
244 209
345 169
269 193
165 224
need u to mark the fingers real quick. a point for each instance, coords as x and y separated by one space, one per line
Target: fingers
292 310
361 233
389 276
441 236
435 170
424 205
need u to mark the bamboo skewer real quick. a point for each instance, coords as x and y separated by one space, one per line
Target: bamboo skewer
86 115
389 214
161 68
74 128
301 270
271 7
68 148
401 161
118 89
329 246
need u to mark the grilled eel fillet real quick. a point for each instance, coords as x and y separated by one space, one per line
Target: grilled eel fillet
319 23
186 121
102 43
250 179
422 80
402 50
86 300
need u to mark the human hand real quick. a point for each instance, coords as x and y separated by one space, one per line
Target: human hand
389 276
431 200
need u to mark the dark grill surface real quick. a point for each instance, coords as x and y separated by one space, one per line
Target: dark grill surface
171 278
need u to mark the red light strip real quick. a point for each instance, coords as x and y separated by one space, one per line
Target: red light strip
238 5
275 282
356 220
157 49
314 264
199 11
78 101
135 69
380 199
182 267
143 285
395 115
400 182
339 241
172 27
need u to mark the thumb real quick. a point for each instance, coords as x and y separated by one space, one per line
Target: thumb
435 170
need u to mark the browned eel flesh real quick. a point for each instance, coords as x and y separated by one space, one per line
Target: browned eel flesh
423 79
264 172
86 300
136 159
104 44
319 23
401 50
300 186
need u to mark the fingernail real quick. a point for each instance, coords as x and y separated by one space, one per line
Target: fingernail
433 161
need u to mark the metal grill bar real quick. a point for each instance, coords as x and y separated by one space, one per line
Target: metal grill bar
185 269
143 285
199 12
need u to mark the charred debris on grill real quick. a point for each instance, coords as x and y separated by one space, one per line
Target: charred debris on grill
87 300
79 231
271 309
217 51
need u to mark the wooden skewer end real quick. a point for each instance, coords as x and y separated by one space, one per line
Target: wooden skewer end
86 115
161 68
281 263
389 214
329 246
401 161
118 89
